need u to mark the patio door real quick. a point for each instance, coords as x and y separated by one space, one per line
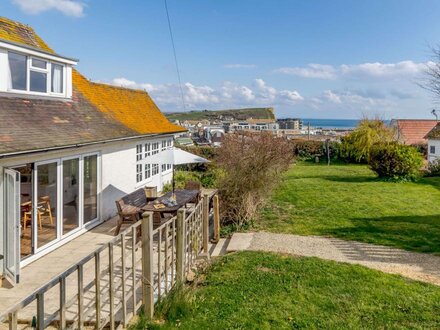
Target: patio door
12 230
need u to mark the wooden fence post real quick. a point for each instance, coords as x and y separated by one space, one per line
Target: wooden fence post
180 245
147 264
40 311
206 224
216 219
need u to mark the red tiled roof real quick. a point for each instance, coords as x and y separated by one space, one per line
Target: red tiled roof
413 131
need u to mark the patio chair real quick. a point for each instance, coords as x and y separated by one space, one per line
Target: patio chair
44 208
126 214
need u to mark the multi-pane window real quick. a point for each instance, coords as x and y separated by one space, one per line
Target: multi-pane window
147 171
138 172
38 76
18 68
138 152
155 169
155 148
432 149
147 149
35 75
57 85
168 166
164 167
164 144
169 143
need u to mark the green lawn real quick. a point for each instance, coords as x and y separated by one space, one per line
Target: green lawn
252 290
348 202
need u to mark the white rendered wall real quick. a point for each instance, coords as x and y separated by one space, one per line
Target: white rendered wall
117 161
436 155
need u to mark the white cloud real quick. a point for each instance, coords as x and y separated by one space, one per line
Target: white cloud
351 102
239 66
67 7
331 96
358 71
319 71
229 94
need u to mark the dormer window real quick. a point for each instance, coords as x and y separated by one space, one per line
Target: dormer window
35 75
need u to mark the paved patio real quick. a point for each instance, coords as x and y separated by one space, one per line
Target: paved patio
41 271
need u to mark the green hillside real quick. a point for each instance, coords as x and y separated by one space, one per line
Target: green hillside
238 114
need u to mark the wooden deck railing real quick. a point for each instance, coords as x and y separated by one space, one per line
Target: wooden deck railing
136 268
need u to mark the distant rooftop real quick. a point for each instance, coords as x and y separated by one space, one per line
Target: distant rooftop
413 131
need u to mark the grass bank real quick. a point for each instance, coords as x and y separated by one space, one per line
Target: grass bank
348 202
252 290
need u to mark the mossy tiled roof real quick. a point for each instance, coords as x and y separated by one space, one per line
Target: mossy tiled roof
434 134
97 112
133 108
21 33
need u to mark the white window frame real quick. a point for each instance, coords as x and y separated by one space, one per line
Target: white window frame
147 170
147 149
155 148
47 71
155 169
139 172
139 152
432 149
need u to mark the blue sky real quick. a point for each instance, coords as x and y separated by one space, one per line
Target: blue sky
310 59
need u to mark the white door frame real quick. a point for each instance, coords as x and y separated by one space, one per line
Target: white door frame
35 205
12 274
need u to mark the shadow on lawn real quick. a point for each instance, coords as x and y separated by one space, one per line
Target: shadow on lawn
415 233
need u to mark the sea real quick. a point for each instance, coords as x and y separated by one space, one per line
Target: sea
330 123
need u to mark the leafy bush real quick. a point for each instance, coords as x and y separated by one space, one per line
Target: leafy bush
207 178
422 148
356 146
395 161
307 149
251 166
434 168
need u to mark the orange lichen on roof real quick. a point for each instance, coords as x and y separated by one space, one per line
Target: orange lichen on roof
20 33
133 108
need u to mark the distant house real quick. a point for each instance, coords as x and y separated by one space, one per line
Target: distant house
214 135
434 143
68 148
413 131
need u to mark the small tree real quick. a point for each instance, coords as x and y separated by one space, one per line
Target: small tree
252 165
357 145
395 161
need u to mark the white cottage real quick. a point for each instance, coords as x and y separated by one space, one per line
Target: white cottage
434 144
68 148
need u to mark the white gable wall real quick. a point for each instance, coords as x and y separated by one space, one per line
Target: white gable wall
117 163
436 154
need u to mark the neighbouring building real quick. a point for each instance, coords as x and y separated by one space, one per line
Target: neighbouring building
69 148
255 126
413 131
433 138
290 123
214 135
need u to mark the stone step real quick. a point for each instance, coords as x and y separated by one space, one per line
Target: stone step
220 248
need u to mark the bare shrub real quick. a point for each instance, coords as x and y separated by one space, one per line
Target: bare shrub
252 165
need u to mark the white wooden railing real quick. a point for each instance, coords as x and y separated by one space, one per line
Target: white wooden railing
136 268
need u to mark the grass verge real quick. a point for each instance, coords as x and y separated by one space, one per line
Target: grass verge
254 290
349 202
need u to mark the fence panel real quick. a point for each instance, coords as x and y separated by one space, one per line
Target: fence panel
107 287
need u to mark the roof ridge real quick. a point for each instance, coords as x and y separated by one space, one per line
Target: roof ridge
11 21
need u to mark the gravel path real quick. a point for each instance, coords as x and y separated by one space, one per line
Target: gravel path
417 266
